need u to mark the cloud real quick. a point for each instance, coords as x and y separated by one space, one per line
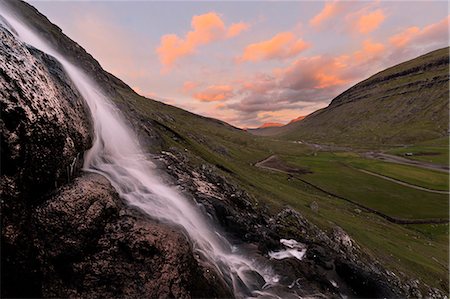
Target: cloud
282 45
307 82
236 29
433 33
188 86
330 10
369 22
313 73
370 50
214 93
206 28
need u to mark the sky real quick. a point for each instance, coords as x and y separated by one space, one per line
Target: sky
249 63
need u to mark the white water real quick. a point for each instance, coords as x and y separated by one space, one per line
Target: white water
293 249
117 155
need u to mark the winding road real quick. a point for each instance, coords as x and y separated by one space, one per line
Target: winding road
402 183
400 160
286 169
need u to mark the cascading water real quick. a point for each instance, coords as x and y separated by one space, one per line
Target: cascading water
117 155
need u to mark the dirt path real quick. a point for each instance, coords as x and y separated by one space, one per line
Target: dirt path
402 183
404 161
275 167
261 164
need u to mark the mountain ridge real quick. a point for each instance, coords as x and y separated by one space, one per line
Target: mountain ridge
405 103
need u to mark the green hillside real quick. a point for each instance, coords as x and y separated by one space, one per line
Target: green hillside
404 104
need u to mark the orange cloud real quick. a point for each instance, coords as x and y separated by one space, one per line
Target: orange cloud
236 29
369 22
369 51
330 10
404 37
206 28
214 93
188 86
431 33
282 45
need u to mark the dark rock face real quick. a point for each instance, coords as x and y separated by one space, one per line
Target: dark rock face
44 131
91 244
45 123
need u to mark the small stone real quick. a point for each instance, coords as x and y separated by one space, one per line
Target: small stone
314 206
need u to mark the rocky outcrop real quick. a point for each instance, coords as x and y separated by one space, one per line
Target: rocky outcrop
90 244
45 128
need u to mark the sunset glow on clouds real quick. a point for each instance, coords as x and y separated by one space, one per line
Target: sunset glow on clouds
282 45
206 28
241 62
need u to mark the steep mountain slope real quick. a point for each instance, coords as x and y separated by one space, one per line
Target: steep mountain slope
406 103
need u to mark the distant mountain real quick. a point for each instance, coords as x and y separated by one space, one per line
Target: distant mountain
268 129
297 119
404 104
269 125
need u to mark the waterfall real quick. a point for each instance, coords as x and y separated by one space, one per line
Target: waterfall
117 155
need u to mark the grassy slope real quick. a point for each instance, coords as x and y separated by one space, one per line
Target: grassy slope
405 104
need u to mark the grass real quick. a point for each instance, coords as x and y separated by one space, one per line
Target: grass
430 179
332 173
434 151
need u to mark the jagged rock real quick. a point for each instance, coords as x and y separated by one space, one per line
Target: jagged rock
341 237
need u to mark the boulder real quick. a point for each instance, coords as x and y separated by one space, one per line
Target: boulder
90 244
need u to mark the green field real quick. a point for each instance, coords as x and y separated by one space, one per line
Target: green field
434 151
430 179
332 173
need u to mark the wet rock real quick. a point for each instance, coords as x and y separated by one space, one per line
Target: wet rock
90 245
341 237
45 128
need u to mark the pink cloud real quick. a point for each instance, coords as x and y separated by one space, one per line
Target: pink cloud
206 28
214 93
236 29
188 86
414 35
330 10
369 22
282 45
